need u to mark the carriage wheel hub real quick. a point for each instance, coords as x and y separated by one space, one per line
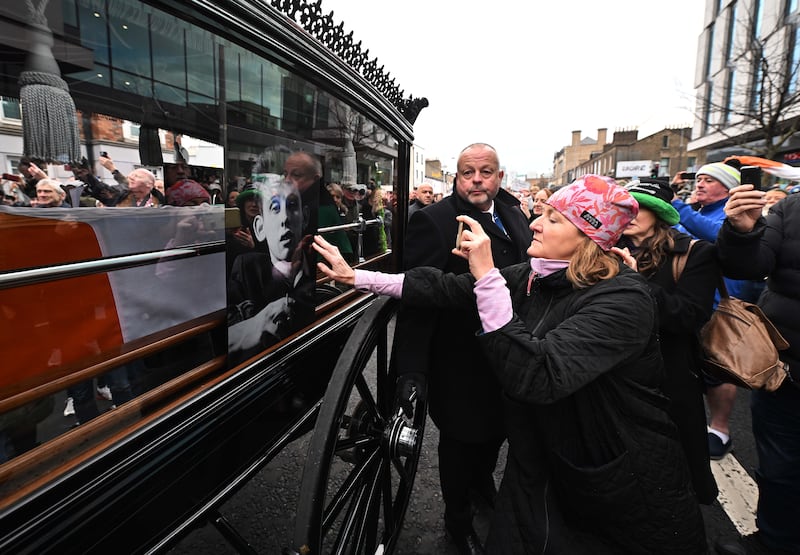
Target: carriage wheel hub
403 438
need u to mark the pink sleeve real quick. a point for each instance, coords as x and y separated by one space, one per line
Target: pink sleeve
494 301
380 283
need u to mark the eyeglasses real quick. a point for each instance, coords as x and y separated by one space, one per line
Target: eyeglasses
358 190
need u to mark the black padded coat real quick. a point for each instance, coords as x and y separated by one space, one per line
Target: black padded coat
464 400
594 464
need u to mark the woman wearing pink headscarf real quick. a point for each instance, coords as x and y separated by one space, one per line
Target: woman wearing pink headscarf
594 463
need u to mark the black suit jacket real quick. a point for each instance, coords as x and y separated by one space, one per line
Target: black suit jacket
463 395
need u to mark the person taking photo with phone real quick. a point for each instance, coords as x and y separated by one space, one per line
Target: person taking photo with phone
753 246
594 464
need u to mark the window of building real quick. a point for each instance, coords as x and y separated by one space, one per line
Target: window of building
758 16
10 109
130 130
665 141
758 81
729 51
663 167
691 161
730 94
709 50
707 107
794 60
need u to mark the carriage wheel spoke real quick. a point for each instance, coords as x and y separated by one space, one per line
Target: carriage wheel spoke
347 490
367 527
369 399
347 443
352 520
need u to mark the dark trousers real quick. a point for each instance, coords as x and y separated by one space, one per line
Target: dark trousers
83 400
776 428
125 381
464 467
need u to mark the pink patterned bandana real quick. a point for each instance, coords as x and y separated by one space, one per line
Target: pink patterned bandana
597 206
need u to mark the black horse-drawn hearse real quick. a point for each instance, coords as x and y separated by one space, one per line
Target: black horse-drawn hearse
159 350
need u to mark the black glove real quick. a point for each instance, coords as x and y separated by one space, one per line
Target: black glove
407 384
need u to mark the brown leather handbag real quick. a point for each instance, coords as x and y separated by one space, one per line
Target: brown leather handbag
740 344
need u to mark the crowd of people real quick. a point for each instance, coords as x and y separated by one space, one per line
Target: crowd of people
34 186
589 348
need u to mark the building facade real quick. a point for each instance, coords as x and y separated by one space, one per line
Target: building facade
746 80
574 154
417 166
661 154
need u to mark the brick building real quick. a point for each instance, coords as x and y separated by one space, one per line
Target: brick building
663 153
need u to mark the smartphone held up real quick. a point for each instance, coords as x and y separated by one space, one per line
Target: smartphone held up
751 175
458 234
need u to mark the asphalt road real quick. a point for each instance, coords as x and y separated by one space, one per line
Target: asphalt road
262 511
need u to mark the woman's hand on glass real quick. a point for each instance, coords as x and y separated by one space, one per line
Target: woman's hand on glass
337 268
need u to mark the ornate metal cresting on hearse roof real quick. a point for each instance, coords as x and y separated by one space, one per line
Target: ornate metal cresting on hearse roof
322 27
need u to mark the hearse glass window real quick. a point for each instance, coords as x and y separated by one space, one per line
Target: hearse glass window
217 214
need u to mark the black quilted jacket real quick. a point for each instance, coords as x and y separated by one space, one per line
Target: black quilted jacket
594 464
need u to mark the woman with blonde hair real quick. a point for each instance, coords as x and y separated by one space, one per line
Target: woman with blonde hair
337 194
594 463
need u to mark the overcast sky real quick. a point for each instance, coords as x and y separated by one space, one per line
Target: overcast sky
523 74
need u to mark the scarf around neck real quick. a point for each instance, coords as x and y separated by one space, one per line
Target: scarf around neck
546 266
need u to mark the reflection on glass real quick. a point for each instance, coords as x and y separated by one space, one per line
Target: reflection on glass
155 165
130 43
271 291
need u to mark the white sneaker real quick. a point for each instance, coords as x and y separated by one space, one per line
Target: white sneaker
69 407
104 393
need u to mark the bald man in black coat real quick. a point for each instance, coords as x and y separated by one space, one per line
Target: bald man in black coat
463 395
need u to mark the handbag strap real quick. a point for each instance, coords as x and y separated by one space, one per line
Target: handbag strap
679 261
723 290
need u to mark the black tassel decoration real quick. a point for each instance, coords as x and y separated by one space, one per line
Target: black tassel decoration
49 116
